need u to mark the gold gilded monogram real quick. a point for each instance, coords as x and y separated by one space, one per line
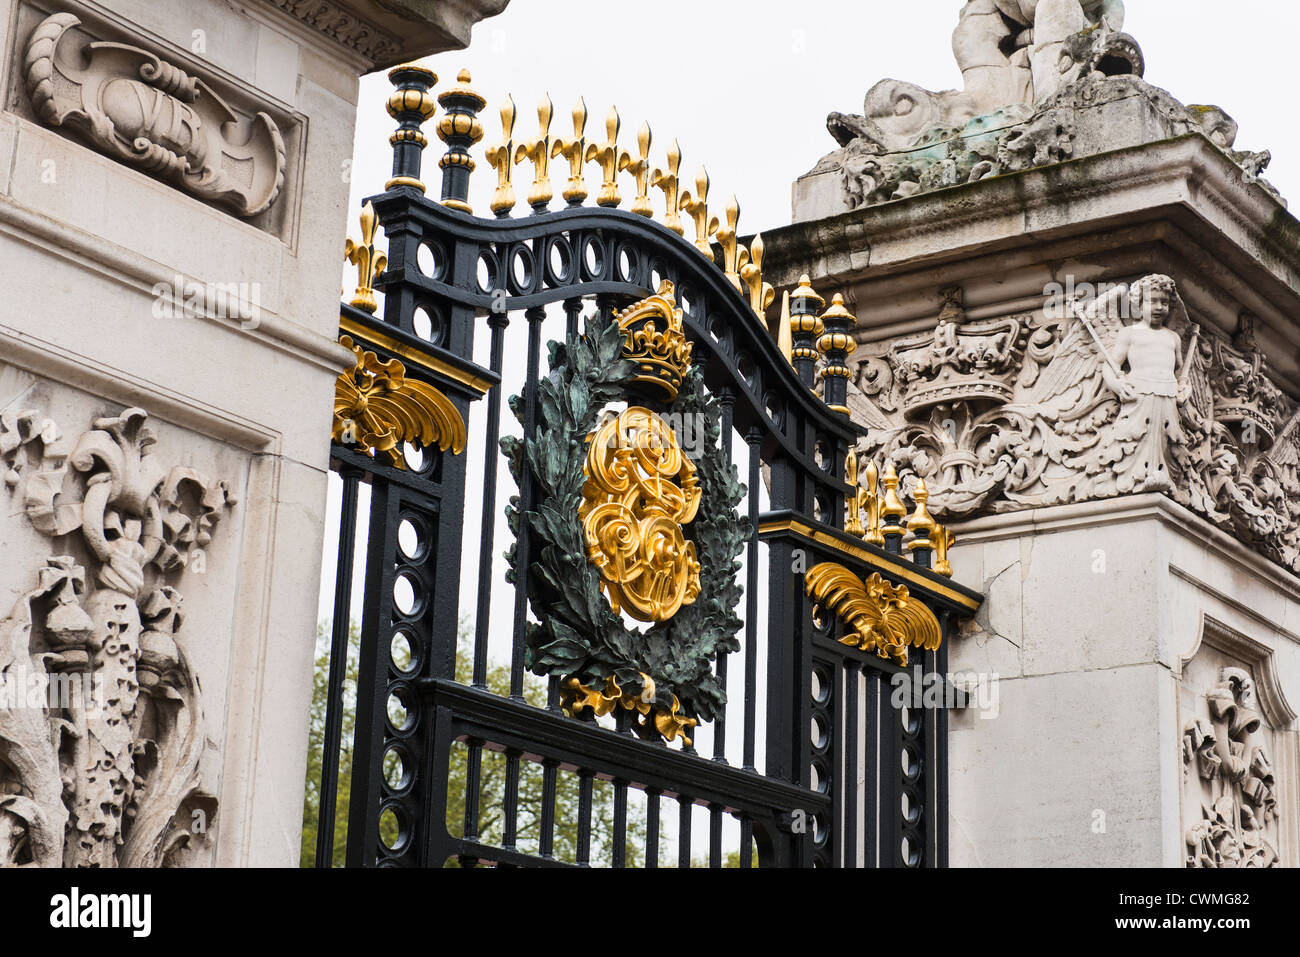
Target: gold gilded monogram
640 490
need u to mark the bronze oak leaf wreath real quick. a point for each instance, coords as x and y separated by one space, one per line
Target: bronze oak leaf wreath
578 635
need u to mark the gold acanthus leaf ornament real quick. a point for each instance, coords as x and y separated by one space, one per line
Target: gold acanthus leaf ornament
884 617
377 408
640 490
576 698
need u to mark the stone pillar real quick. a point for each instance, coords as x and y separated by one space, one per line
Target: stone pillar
167 365
1092 367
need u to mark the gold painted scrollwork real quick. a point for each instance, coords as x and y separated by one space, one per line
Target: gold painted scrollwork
885 618
647 720
640 490
377 407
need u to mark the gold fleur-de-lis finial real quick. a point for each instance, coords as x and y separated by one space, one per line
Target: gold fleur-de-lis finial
870 504
892 511
573 150
538 152
853 501
666 180
369 261
697 207
731 249
611 159
922 523
943 540
761 293
501 157
640 170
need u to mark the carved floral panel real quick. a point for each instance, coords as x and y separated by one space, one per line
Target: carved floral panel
102 729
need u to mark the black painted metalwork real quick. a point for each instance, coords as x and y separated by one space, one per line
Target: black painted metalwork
820 702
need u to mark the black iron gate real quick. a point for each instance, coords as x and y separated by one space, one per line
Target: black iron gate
814 754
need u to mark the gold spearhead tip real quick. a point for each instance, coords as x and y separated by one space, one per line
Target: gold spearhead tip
784 336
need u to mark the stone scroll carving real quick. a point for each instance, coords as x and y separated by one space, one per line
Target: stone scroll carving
1122 394
1236 822
1044 81
138 108
101 719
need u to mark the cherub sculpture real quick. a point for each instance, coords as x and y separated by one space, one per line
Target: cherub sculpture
1101 359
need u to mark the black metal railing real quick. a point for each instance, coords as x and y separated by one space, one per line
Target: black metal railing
461 755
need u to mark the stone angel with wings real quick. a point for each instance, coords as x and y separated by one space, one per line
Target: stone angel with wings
1100 359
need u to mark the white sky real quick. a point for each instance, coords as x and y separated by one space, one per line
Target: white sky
745 87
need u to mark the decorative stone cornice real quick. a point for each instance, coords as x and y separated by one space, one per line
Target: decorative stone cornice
388 32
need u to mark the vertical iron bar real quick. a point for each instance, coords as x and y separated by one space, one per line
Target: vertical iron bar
339 640
752 440
727 400
620 824
939 765
652 828
524 539
585 779
849 773
572 309
372 676
684 806
715 836
546 840
891 784
473 781
746 842
510 805
871 763
497 321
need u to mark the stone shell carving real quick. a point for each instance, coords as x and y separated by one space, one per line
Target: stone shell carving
144 111
1043 409
102 733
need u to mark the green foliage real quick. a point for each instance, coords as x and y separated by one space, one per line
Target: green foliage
579 635
492 781
316 750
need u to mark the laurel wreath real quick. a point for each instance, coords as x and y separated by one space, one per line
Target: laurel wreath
578 635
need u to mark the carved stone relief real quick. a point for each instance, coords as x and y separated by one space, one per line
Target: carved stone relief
101 717
1038 76
1225 756
140 109
1123 394
1234 718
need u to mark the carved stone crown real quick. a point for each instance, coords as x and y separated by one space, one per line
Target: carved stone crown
656 341
1244 396
959 361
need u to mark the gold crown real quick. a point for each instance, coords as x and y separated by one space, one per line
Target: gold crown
656 341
